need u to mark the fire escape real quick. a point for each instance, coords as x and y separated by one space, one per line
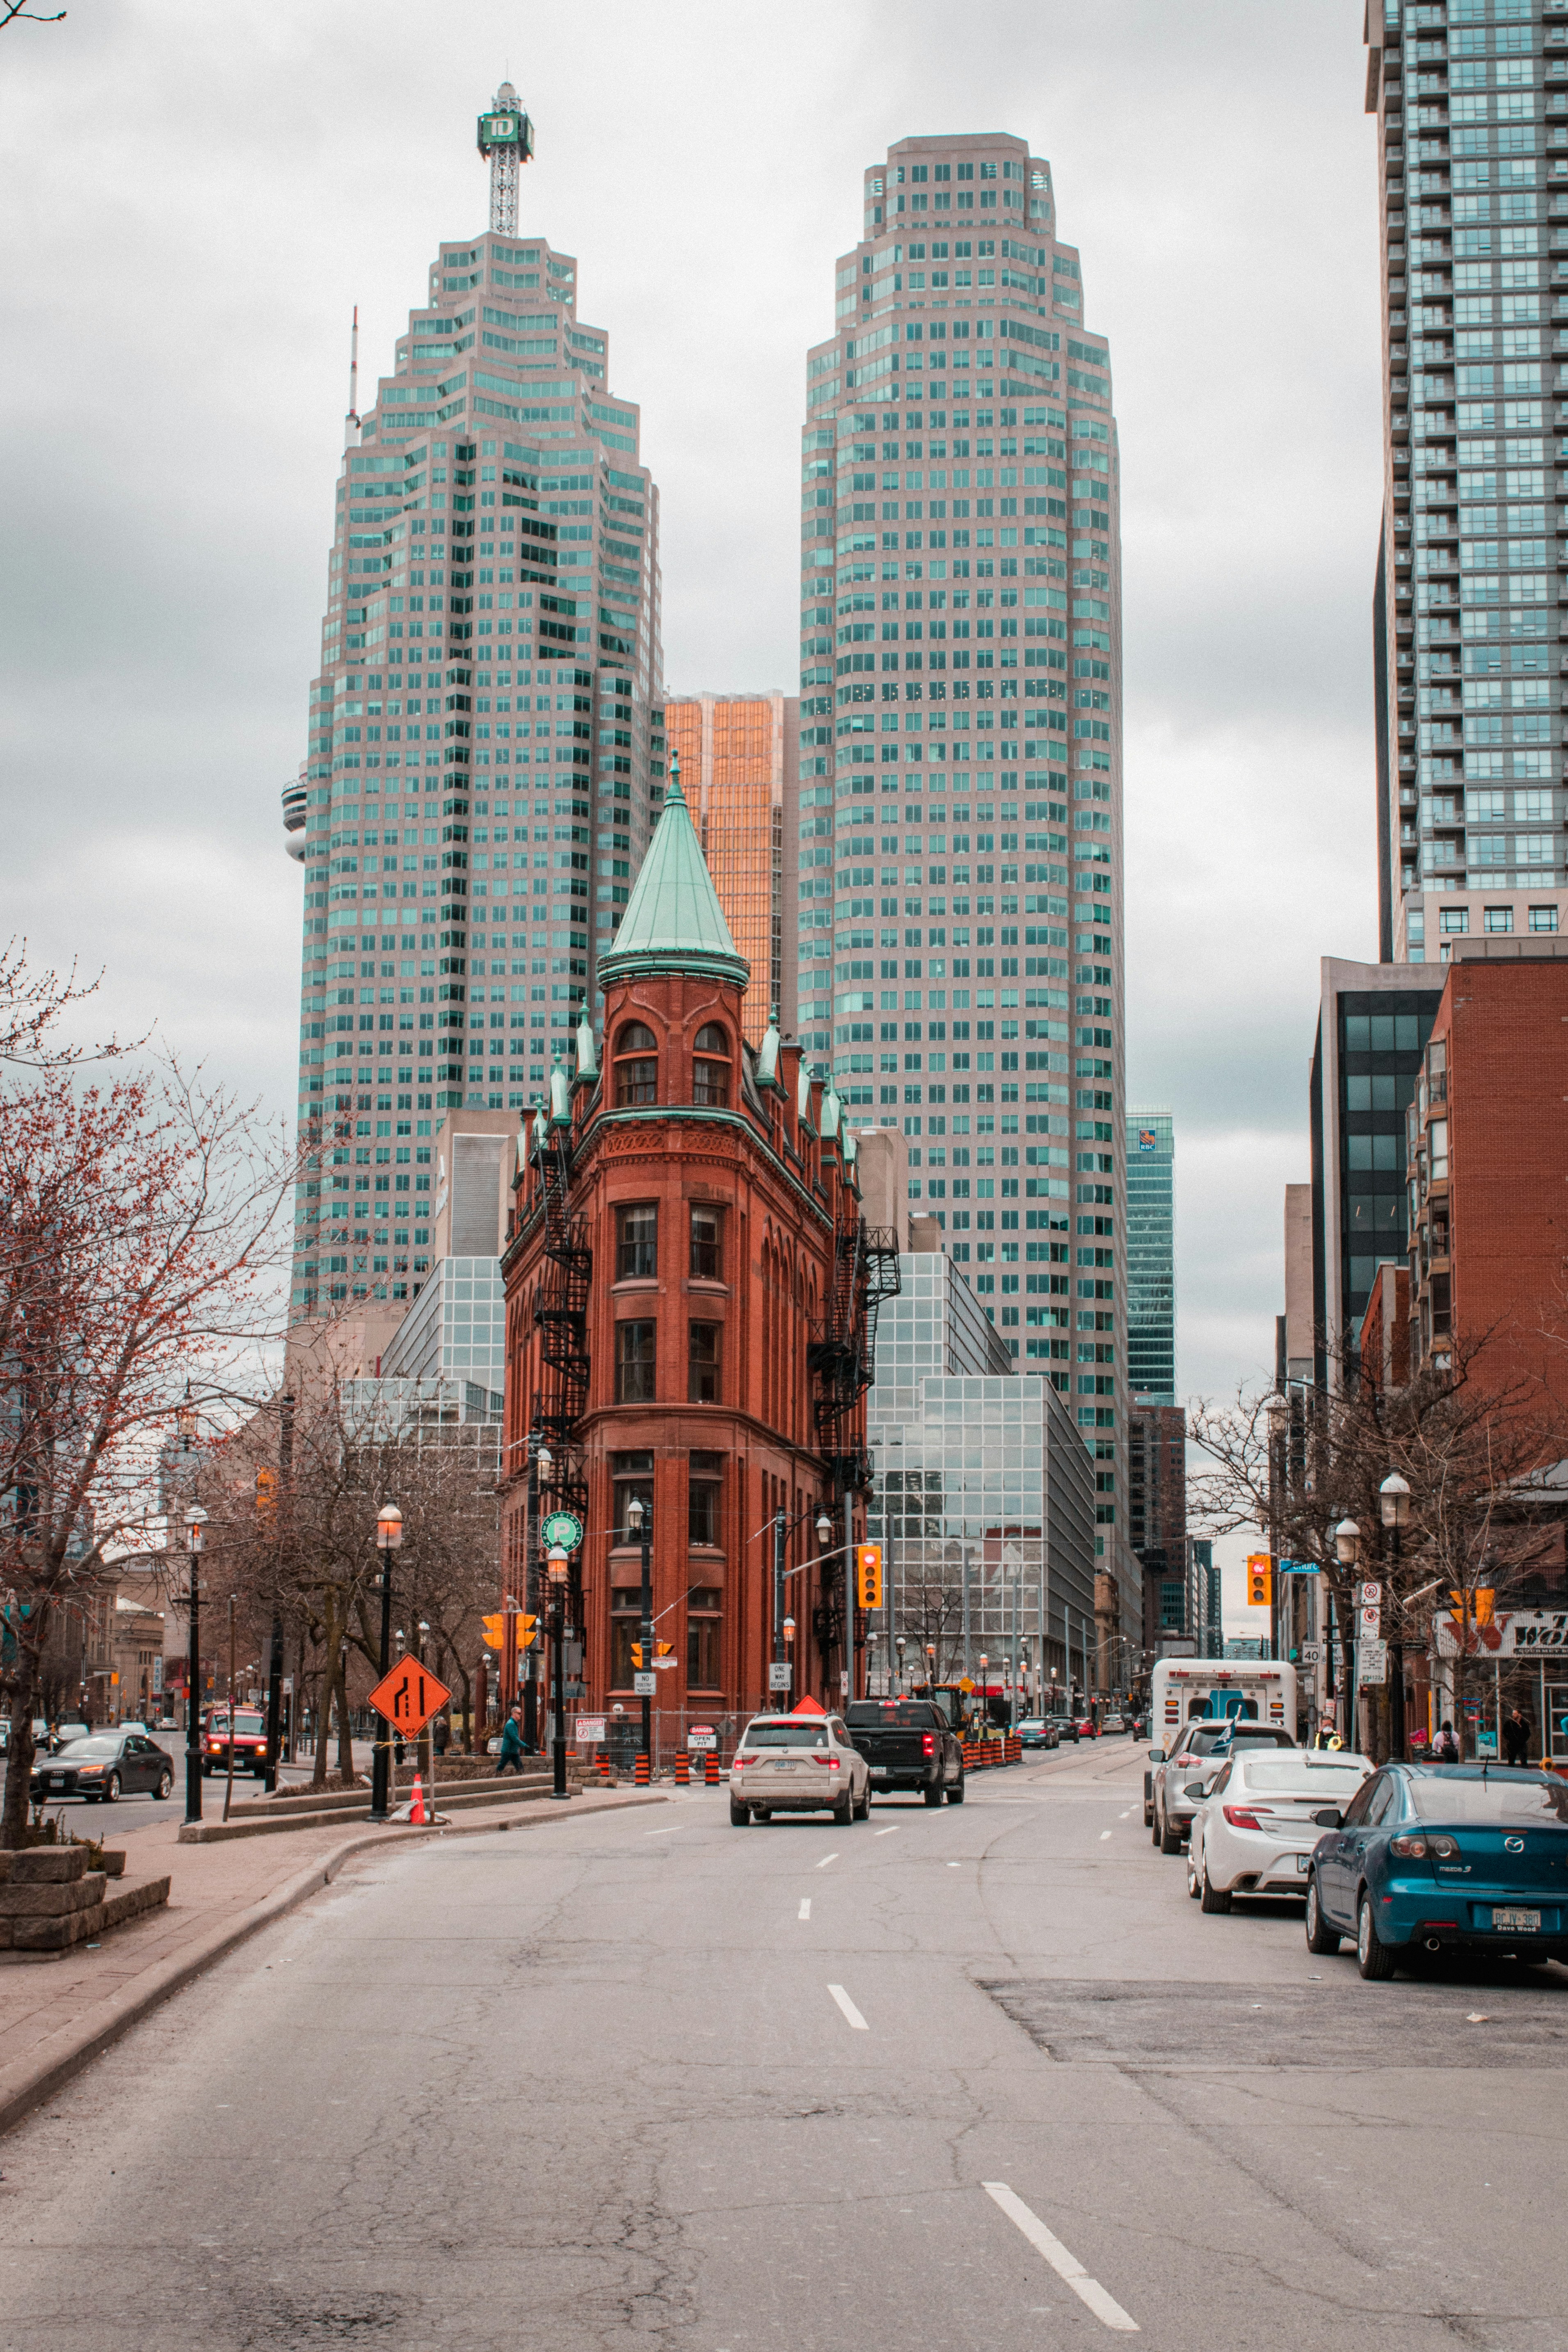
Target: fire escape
561 1311
842 1356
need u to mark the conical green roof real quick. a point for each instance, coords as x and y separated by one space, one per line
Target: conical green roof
673 921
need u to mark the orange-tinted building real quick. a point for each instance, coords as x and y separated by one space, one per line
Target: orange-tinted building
739 758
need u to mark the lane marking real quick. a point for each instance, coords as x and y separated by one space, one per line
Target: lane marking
1124 1817
1105 1833
850 2011
1066 2266
671 1831
805 1911
887 1832
825 1860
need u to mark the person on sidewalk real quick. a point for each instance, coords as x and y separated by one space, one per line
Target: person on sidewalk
511 1759
1516 1738
1446 1747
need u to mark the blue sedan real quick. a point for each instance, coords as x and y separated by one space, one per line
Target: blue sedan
1434 1858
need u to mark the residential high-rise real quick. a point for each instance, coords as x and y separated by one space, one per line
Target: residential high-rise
1468 628
1150 1256
960 833
484 749
740 756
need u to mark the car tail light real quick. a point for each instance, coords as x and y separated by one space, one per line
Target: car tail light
928 1745
1444 1847
737 1760
1412 1848
1241 1817
831 1762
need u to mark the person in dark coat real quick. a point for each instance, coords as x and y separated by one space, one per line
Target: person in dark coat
1516 1737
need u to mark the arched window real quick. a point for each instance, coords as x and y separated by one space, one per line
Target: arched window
636 1078
711 1075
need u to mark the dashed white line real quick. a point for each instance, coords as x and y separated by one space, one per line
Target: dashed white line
1103 1835
850 2011
1067 2266
668 1832
805 1911
825 1860
1124 1817
891 1832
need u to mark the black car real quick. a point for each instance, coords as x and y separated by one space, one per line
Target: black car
1065 1727
103 1768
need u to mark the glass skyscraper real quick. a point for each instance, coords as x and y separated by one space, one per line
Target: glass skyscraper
960 829
1150 1256
1471 100
739 769
485 751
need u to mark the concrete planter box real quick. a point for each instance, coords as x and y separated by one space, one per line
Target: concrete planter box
50 1899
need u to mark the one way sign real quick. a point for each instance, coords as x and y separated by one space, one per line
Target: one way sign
408 1696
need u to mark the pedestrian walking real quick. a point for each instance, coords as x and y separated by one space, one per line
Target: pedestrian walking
511 1743
1446 1747
1516 1738
442 1735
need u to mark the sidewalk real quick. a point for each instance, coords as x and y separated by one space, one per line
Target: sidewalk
56 2015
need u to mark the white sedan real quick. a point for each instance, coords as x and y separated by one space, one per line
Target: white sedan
1254 1831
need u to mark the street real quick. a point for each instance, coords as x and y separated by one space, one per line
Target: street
976 2076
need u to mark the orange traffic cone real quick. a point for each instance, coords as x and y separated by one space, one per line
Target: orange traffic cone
416 1804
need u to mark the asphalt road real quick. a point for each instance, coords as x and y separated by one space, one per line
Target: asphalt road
980 2077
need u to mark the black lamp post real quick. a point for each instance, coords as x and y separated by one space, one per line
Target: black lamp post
640 1518
1347 1551
559 1568
388 1536
1394 1502
195 1544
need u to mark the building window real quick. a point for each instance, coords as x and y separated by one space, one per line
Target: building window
704 1362
634 1362
711 1078
702 1623
633 1476
706 1244
1499 918
1438 1150
702 1500
626 1618
636 1079
1454 918
1543 919
636 1241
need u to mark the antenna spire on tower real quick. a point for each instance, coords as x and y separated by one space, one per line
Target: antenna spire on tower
506 139
353 418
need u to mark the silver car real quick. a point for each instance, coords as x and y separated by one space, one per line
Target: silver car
1204 1746
798 1764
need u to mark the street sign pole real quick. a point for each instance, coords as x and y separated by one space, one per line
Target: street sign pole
646 1631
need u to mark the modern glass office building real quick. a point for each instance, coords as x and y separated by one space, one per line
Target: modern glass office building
985 1498
485 751
1150 1256
960 829
1471 101
740 771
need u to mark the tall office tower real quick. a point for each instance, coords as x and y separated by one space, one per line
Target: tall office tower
484 746
739 770
1468 628
960 838
1150 1256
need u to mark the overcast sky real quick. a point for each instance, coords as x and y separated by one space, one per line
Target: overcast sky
196 196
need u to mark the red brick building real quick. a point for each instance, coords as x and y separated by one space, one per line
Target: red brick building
1488 1139
687 1278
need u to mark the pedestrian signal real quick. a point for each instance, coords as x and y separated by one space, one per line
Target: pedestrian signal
869 1574
1259 1579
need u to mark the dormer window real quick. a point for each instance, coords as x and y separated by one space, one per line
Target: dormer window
636 1078
710 1069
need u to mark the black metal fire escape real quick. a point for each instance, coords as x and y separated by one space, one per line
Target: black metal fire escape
561 1311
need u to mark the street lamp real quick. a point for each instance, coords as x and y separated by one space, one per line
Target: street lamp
195 1544
559 1569
1276 1408
899 1645
1394 1502
388 1536
640 1518
1347 1551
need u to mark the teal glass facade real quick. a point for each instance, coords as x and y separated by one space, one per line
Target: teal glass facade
1150 1255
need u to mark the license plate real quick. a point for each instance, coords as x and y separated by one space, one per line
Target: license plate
58 1782
1304 1863
879 1772
783 1767
1516 1919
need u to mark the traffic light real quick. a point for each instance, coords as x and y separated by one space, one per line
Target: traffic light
1474 1607
527 1633
636 1655
868 1575
495 1634
266 1494
663 1649
1259 1579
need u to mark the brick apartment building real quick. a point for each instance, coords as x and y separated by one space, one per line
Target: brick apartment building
685 1286
1488 1144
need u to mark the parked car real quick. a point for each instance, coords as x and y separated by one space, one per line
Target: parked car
1087 1727
1113 1722
909 1744
1039 1731
798 1764
1429 1858
1255 1832
1206 1741
249 1741
1065 1727
104 1766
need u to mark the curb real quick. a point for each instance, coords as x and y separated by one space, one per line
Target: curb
26 2083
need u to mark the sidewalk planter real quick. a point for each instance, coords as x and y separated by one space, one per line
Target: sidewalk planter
50 1899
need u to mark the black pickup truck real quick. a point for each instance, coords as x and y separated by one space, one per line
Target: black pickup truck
909 1744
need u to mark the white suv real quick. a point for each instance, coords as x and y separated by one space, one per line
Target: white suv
798 1764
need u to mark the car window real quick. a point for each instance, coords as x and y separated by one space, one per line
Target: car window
867 1714
1223 1780
1381 1803
1356 1810
1293 1776
786 1734
1440 1797
83 1750
839 1733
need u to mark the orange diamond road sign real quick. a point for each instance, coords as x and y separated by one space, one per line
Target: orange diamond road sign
409 1696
